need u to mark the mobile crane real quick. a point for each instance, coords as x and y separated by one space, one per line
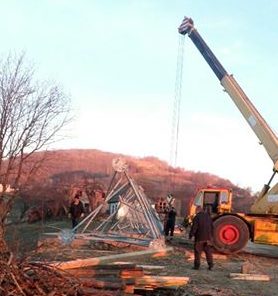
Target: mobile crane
233 230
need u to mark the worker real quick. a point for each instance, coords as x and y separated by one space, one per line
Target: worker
170 222
202 231
76 210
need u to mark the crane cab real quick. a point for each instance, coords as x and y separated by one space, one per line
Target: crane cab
219 199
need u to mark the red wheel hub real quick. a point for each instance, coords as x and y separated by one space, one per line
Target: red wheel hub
229 234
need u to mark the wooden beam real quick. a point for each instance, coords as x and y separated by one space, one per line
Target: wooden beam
249 277
125 264
85 272
110 266
98 260
99 284
246 267
132 273
161 281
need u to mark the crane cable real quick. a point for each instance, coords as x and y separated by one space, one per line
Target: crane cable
177 103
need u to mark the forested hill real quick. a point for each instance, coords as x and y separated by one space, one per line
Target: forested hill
155 176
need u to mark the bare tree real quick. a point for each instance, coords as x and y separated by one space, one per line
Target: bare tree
32 115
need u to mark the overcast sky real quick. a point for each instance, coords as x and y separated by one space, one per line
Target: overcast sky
117 60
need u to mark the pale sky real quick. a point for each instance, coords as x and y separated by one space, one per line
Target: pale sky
117 60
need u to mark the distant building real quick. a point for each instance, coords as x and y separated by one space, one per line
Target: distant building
113 203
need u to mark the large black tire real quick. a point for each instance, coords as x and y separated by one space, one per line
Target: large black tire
230 234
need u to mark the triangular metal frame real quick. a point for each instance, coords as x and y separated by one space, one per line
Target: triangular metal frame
135 221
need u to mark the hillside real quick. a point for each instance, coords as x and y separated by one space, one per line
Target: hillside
68 168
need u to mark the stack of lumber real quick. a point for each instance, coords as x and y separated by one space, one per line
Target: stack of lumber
125 277
100 273
108 277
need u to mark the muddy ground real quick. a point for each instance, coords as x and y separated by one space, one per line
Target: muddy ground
178 262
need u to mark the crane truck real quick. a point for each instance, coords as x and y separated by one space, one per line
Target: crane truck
232 230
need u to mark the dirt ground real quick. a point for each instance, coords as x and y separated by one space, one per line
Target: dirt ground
217 282
178 262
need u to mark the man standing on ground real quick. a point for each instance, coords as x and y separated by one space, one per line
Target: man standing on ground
76 210
170 222
202 230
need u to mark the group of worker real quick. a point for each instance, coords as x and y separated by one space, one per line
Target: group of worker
201 230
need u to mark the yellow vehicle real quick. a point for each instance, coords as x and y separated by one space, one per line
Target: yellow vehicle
233 230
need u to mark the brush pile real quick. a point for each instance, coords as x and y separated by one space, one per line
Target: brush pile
22 278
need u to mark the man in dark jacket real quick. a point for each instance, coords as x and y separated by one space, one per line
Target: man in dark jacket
202 230
170 222
76 210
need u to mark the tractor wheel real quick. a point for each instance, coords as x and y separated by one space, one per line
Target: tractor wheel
231 234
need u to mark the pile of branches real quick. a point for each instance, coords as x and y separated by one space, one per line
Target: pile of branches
23 278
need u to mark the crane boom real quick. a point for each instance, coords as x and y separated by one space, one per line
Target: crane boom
257 123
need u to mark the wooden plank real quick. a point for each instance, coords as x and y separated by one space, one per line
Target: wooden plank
141 265
94 272
161 281
136 268
129 289
126 274
246 267
249 277
130 281
112 266
98 260
99 284
151 267
98 292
